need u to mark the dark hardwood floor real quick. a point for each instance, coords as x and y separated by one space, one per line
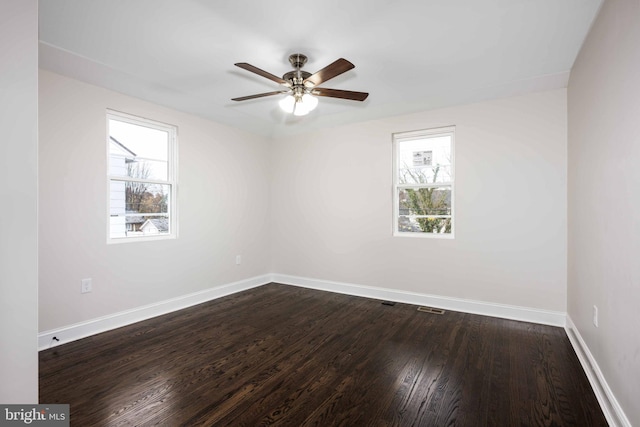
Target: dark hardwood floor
288 356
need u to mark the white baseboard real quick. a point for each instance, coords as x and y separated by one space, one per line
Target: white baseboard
526 314
102 324
612 410
608 402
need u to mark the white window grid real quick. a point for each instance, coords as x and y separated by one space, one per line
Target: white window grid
397 186
171 182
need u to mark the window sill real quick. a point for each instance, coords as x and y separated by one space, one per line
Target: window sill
449 236
119 240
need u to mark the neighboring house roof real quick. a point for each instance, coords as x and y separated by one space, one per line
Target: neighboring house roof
159 224
134 220
120 145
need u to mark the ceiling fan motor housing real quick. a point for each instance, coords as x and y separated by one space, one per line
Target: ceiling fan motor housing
297 60
297 76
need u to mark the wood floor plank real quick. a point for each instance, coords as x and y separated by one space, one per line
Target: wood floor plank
279 355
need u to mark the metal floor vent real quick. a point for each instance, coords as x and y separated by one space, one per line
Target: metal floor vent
431 310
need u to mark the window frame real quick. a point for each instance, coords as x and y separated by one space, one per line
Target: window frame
397 139
172 176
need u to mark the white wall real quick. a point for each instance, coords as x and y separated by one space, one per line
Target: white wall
19 197
332 213
604 198
223 196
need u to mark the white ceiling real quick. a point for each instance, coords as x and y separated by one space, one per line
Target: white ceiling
410 55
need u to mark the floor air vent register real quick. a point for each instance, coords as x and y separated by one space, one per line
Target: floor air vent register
431 310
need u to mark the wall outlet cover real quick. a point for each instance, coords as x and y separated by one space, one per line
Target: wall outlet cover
86 286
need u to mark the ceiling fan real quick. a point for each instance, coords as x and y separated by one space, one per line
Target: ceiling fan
301 86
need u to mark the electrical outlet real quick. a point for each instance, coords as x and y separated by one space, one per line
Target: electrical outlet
595 316
86 286
238 259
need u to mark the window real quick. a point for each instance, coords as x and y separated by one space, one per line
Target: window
142 178
423 183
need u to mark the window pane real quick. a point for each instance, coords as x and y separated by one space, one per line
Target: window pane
139 140
138 208
138 151
424 225
424 201
425 160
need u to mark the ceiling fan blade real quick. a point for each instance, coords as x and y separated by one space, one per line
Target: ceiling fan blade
262 73
259 95
338 93
330 71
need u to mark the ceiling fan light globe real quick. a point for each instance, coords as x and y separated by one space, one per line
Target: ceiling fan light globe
310 101
287 104
300 109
